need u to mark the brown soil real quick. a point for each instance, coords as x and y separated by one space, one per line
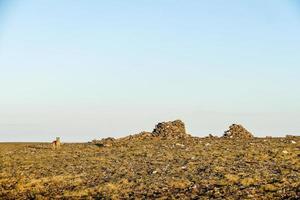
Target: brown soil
146 166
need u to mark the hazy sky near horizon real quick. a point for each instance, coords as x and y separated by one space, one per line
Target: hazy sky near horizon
90 69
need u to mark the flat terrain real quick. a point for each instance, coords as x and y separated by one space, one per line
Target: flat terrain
153 167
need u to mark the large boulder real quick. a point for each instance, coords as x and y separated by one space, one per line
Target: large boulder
173 129
237 131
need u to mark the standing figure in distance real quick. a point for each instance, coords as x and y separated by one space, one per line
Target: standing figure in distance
56 143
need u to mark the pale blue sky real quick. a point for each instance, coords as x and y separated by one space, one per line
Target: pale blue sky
90 69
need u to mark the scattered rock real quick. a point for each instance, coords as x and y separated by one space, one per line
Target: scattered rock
180 145
139 136
247 182
153 168
285 152
211 136
105 142
270 188
291 136
232 178
145 134
237 131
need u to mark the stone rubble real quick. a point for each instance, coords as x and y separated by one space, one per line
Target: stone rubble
164 164
173 129
237 131
105 142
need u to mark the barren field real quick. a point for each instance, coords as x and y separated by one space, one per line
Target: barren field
147 167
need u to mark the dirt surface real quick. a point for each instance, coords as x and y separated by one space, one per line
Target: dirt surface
165 164
153 167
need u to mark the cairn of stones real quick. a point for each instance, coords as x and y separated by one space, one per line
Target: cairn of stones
173 129
237 131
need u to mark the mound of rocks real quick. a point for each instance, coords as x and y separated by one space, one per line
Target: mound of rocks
172 129
211 136
105 142
237 131
140 136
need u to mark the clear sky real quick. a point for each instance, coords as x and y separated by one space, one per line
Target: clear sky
91 69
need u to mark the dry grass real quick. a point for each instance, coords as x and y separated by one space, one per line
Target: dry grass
151 167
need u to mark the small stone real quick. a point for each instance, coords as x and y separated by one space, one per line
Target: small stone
285 152
293 142
247 182
180 145
232 178
270 188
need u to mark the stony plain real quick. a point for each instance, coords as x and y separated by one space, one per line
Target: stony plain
164 164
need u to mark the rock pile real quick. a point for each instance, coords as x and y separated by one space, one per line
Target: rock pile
173 129
237 131
105 142
139 136
144 134
211 136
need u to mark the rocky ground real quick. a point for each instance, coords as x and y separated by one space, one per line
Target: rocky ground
154 165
